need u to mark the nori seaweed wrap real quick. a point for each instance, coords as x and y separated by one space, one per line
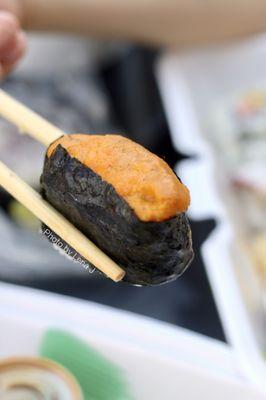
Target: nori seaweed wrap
136 229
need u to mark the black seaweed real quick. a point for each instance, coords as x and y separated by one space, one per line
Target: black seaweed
151 253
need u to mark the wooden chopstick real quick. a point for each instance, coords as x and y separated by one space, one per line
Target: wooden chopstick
32 200
27 120
31 123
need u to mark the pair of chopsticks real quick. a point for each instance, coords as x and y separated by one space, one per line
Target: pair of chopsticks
31 123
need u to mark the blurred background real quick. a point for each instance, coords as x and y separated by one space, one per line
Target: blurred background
94 88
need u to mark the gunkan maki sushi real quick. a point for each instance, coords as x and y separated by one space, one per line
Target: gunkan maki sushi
125 199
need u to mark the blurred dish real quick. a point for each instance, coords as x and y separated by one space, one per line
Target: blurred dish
36 379
157 360
194 85
239 136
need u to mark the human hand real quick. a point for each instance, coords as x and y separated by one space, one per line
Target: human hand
12 41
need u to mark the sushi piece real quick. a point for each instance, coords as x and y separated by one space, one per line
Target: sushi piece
125 199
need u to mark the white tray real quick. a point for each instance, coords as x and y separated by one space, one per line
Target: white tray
190 84
160 360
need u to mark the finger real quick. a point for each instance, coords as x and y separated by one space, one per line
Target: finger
16 51
1 72
8 27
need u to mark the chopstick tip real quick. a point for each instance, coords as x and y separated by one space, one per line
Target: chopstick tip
119 276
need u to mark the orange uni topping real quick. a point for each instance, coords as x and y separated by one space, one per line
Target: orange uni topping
144 180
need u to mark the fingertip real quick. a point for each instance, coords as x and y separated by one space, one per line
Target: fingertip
8 28
9 20
16 51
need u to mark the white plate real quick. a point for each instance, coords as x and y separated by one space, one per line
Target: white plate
160 360
190 84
